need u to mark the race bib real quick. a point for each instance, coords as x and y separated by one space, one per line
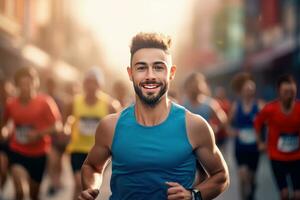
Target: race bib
88 125
247 136
288 143
22 132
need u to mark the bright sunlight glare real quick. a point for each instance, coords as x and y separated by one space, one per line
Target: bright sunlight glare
115 22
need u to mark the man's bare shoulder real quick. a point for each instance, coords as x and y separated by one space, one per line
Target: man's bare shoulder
195 120
198 129
106 128
109 121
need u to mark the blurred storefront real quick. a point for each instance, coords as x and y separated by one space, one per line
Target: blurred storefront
260 36
43 34
20 29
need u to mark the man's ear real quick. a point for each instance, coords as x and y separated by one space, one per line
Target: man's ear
129 71
172 72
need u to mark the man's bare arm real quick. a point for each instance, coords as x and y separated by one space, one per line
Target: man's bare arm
93 166
208 154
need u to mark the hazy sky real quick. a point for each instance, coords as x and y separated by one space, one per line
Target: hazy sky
116 21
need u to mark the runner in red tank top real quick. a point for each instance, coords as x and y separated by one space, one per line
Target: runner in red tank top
282 117
34 117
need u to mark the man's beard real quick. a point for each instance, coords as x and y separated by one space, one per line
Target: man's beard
150 100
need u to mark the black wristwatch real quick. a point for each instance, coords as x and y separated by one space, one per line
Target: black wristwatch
196 194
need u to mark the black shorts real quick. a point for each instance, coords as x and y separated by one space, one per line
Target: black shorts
281 169
4 147
77 160
35 166
247 158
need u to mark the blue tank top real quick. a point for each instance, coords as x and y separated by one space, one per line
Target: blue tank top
243 122
204 109
145 157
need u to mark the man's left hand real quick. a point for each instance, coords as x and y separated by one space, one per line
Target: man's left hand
178 192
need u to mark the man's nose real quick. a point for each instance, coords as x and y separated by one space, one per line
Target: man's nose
150 74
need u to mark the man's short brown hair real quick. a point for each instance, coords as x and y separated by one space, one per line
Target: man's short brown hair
150 40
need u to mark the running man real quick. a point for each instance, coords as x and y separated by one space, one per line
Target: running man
35 116
282 117
87 110
154 144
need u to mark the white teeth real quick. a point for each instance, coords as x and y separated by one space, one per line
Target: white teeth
150 86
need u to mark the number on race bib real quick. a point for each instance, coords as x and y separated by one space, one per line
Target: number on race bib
288 143
22 132
247 136
88 125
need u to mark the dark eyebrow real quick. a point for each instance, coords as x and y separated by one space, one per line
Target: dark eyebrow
145 64
140 63
159 62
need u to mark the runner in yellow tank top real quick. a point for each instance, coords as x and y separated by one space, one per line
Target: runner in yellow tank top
86 111
86 119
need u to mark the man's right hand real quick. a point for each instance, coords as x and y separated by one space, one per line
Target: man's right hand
88 194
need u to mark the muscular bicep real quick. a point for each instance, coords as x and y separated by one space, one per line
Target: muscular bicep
100 152
97 157
203 140
211 159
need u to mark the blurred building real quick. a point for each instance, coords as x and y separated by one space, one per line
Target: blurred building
260 36
44 34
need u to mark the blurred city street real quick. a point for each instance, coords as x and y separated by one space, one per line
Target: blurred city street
230 57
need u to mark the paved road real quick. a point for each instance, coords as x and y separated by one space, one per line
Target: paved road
265 185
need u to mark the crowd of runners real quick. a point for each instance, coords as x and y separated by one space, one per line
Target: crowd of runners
39 127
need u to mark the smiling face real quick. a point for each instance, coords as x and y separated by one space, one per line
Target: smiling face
150 73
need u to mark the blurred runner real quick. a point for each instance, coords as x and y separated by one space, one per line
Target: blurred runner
59 142
35 116
5 92
87 110
199 101
241 116
221 98
282 117
122 93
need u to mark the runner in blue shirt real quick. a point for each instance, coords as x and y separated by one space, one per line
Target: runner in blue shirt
154 144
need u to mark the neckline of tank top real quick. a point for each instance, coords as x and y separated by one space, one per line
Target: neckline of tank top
154 126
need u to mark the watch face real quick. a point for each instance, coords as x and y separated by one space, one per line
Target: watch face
197 194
